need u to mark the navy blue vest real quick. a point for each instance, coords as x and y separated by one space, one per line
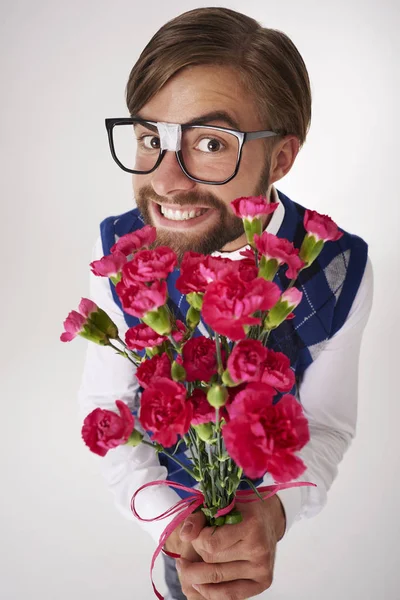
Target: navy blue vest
329 287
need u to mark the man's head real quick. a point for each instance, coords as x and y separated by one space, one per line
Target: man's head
215 60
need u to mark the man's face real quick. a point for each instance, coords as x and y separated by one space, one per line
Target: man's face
194 92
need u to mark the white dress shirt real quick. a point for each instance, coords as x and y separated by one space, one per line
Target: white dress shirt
332 414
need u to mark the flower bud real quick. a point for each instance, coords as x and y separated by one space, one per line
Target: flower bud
91 333
227 379
192 317
310 249
158 320
195 299
283 308
135 438
217 396
268 268
204 431
102 321
178 372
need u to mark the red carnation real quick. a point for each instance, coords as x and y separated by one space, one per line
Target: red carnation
203 412
104 429
246 361
263 437
153 368
277 371
165 411
198 270
149 265
138 299
199 359
229 304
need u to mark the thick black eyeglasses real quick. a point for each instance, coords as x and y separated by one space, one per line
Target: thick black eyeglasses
206 154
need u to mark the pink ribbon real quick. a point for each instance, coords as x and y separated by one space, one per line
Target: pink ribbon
186 506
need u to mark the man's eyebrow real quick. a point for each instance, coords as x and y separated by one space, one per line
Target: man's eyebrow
206 119
218 115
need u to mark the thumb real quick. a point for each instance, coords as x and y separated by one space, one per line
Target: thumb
192 526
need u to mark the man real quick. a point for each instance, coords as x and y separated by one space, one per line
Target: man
204 81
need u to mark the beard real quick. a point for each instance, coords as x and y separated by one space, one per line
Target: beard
227 228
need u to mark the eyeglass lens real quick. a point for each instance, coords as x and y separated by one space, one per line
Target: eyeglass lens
207 154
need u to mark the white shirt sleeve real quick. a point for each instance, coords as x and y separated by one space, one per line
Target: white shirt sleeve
107 377
329 394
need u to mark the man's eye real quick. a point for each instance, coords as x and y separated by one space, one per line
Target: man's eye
150 142
209 145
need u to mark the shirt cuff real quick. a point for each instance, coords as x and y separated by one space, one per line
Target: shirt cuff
291 499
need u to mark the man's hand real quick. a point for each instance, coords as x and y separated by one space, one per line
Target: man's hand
238 559
180 540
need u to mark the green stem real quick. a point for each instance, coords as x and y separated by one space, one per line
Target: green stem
265 336
219 355
126 354
159 448
211 464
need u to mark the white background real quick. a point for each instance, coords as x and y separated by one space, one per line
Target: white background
64 69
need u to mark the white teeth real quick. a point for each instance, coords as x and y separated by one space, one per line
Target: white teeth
179 215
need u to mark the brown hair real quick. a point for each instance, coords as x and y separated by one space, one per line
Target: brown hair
267 61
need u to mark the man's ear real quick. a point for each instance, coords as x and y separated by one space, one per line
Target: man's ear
283 156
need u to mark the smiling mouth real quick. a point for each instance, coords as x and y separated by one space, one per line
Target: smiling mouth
175 214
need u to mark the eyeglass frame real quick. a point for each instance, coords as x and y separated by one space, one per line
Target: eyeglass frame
242 137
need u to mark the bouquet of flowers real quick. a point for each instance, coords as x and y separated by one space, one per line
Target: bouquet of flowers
226 396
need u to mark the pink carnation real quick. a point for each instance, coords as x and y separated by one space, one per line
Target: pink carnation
292 296
229 304
263 437
138 299
252 206
76 320
104 429
108 266
321 227
246 360
165 411
149 265
141 336
197 270
129 243
281 250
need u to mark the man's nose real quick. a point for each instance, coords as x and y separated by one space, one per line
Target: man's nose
169 179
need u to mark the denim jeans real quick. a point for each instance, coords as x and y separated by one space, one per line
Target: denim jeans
172 580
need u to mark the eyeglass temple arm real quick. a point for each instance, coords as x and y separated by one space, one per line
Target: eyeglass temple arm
255 135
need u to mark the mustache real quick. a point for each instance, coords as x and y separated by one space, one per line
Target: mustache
191 198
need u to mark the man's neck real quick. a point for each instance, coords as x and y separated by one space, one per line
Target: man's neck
241 241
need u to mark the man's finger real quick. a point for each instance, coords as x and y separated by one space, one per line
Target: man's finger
192 526
200 572
213 540
240 589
